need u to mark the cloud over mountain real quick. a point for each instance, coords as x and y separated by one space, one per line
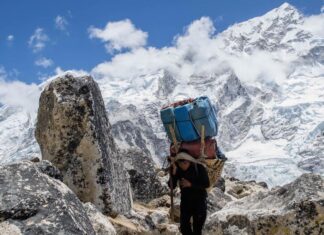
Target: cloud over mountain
18 94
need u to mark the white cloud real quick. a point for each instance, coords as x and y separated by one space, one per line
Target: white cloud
322 9
196 51
191 53
10 38
61 72
315 25
120 35
38 40
262 66
44 62
18 94
46 78
61 23
26 96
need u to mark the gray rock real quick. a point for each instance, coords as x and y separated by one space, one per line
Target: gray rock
47 168
73 132
100 222
216 200
239 189
163 201
221 184
296 208
33 203
143 176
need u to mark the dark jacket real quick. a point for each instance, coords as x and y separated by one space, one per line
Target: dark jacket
198 177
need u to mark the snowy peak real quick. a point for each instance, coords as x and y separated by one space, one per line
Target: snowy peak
269 32
284 16
284 10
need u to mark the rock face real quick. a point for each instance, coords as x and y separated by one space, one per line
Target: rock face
296 208
31 202
131 127
73 132
143 177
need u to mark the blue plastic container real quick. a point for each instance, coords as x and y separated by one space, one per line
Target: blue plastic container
168 118
203 113
184 122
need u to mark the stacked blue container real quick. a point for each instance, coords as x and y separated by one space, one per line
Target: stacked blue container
203 114
187 120
184 123
168 119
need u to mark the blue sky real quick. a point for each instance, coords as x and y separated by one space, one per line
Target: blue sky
38 36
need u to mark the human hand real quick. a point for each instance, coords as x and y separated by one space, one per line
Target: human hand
185 183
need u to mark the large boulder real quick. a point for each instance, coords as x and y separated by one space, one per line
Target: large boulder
73 132
296 208
144 179
32 202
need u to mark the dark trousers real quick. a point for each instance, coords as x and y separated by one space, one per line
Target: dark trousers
195 208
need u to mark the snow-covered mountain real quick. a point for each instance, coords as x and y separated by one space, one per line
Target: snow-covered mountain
265 77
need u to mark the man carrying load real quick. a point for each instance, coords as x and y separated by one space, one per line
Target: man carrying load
193 180
196 161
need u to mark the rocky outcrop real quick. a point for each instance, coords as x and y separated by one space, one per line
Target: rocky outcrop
73 132
239 189
34 201
216 200
145 221
132 127
144 179
236 121
100 223
31 202
296 208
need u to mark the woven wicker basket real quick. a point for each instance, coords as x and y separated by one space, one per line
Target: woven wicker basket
214 170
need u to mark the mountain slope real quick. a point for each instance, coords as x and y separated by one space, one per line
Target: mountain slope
265 77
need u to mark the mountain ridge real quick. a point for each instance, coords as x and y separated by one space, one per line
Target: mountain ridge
267 92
